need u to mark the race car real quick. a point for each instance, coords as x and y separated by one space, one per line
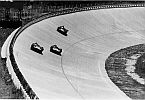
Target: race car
37 48
54 49
62 30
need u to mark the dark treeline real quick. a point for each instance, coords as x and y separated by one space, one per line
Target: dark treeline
7 8
20 4
10 24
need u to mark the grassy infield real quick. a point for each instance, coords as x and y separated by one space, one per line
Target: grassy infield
115 67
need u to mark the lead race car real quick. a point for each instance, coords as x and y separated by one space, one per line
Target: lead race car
62 30
37 48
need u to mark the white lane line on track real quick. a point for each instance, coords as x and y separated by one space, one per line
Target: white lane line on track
94 52
76 90
98 36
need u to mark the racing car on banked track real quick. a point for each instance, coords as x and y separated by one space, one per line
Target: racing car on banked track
54 49
37 48
62 30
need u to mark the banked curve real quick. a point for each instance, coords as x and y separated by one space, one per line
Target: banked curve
12 58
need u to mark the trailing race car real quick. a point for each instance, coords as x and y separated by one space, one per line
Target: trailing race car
62 30
56 50
37 48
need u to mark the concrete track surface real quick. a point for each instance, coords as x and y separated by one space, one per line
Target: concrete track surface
80 72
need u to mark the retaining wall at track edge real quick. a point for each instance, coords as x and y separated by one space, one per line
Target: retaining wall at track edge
21 82
5 57
15 79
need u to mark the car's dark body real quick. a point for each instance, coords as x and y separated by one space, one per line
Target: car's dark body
37 48
56 50
62 30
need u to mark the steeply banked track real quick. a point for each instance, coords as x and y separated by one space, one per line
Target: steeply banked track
21 78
